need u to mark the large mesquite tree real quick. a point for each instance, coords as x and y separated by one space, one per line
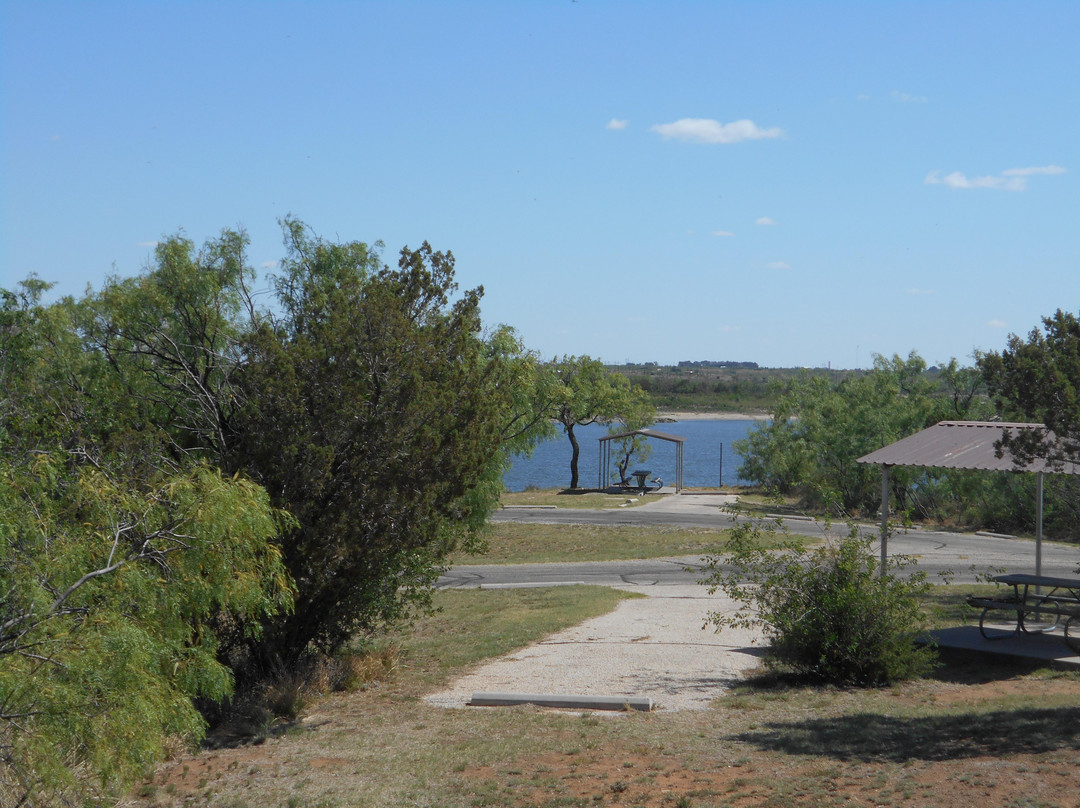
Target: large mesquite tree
381 419
118 554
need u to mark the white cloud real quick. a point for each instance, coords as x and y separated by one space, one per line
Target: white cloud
778 265
1011 179
908 98
148 243
1027 172
997 324
959 180
615 123
729 328
862 97
706 130
722 233
765 221
920 291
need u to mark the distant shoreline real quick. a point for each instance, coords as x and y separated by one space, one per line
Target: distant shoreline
666 416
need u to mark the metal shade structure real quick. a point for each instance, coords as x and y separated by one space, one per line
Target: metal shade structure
605 452
965 445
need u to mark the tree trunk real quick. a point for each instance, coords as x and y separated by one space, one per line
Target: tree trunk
573 455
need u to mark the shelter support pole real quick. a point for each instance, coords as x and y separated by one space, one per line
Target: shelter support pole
884 517
1038 521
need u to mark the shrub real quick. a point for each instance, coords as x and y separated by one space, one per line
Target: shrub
830 613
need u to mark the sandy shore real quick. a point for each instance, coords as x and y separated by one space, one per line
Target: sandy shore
663 416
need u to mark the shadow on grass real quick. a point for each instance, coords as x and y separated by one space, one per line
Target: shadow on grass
962 667
882 738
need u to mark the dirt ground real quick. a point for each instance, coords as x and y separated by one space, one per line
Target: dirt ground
1022 750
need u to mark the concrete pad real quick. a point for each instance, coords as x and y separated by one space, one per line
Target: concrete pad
620 703
651 648
1049 648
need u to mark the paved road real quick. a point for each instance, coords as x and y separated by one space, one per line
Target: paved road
961 553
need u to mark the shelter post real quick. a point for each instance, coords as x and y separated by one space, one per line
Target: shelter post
1038 521
884 517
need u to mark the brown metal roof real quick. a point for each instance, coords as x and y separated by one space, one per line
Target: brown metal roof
648 433
962 445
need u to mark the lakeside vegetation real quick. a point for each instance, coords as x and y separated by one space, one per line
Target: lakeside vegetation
821 421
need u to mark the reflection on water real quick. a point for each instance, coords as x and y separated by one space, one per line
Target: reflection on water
708 447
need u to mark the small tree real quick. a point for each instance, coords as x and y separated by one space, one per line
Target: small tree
830 614
629 448
587 394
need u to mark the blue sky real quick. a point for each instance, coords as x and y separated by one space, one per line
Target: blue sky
784 183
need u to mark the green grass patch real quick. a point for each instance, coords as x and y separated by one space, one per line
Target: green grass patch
946 604
515 543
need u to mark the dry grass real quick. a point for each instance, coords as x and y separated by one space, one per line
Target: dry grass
974 734
567 498
520 543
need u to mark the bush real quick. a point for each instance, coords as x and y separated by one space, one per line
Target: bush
830 614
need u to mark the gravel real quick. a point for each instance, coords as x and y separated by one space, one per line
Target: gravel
652 647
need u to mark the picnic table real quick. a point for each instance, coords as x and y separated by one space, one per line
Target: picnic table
1039 604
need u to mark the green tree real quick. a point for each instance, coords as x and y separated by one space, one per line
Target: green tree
629 448
108 600
586 393
362 428
1038 379
378 415
819 429
118 557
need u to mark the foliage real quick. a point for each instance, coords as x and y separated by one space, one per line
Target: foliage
377 414
122 552
831 613
819 429
1038 379
627 449
361 430
586 393
108 596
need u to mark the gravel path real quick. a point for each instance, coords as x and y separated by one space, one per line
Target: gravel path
648 647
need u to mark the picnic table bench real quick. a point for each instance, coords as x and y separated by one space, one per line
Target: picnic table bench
1039 603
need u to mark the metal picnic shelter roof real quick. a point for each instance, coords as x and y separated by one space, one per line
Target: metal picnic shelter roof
965 445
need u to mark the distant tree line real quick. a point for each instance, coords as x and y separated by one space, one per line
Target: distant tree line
820 426
706 363
710 387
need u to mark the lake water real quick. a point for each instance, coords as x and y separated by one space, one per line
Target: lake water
707 453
